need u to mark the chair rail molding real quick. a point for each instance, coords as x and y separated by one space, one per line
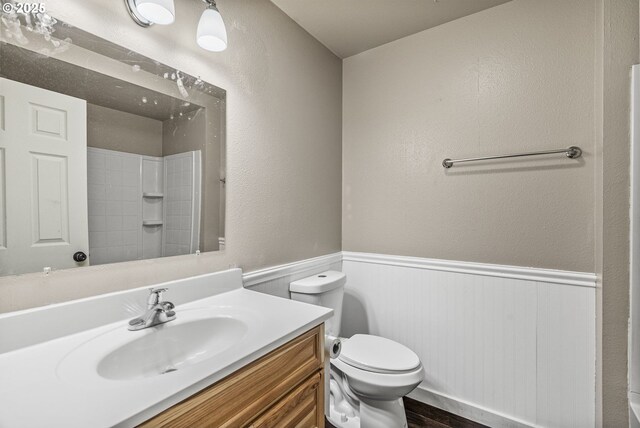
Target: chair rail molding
581 279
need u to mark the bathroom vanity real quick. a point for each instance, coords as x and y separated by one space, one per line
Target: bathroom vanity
232 357
283 388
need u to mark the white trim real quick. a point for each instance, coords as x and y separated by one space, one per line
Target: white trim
633 353
467 410
634 410
275 272
580 279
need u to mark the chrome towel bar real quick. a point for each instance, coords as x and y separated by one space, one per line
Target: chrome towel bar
572 152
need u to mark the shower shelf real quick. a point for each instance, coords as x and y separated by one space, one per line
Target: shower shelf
152 222
152 195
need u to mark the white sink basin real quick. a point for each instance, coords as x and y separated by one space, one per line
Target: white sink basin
172 347
195 336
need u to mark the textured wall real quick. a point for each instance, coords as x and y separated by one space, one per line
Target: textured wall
617 51
517 77
284 115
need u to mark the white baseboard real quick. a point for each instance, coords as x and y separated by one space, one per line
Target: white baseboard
467 410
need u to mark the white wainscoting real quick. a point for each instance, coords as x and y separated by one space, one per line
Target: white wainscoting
502 345
275 280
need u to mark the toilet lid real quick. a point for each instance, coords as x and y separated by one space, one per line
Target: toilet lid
377 354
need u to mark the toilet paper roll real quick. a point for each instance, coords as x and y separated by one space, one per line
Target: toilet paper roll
332 345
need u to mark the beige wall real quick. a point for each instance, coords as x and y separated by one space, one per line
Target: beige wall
526 75
124 132
517 77
184 133
617 50
284 114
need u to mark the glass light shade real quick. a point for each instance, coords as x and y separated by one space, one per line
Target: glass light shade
212 34
162 12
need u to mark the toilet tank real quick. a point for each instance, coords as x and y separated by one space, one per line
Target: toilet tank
323 289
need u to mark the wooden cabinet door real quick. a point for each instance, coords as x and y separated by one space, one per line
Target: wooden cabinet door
302 408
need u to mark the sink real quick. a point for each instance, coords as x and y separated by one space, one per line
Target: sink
172 347
194 337
84 368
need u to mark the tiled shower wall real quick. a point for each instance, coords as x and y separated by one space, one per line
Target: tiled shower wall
114 206
117 207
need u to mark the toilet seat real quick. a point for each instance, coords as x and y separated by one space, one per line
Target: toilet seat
378 355
379 386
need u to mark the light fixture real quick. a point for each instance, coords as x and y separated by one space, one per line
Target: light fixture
148 12
211 34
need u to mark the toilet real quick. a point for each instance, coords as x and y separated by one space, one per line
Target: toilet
371 374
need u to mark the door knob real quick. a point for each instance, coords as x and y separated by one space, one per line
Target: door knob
79 257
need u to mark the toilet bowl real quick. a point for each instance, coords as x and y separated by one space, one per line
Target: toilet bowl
374 373
368 379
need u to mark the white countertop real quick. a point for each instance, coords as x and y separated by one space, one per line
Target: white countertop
35 392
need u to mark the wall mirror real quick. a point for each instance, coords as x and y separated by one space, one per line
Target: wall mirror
105 155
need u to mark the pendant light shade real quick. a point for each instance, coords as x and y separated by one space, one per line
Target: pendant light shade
162 12
212 34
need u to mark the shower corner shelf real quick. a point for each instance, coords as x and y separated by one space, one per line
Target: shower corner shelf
152 222
152 195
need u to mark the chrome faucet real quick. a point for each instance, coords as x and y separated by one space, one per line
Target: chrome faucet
158 312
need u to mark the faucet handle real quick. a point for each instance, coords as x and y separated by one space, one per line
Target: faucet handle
155 296
136 322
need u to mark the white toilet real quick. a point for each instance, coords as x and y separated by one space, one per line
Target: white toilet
372 374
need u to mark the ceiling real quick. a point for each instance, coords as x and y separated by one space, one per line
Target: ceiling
348 27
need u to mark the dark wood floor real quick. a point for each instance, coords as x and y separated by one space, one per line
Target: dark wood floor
420 415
